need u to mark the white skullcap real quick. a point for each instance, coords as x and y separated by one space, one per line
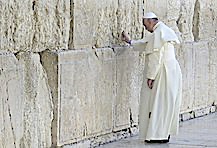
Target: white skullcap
150 15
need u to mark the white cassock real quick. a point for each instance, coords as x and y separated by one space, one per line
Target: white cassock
159 106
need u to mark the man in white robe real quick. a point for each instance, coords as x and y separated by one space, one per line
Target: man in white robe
161 90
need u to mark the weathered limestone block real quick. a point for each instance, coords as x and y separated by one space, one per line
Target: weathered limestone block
205 19
37 115
84 94
95 92
51 24
93 22
194 62
158 7
31 25
201 83
127 88
99 23
17 25
212 72
172 15
11 101
50 65
87 94
185 19
186 58
129 18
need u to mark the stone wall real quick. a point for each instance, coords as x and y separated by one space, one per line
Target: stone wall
66 79
26 103
97 93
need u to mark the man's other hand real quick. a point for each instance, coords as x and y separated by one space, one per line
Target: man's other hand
150 83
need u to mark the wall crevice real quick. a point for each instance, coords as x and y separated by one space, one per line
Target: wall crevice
196 21
10 116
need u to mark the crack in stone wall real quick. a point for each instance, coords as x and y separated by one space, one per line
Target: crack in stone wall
10 81
48 61
196 21
71 35
10 116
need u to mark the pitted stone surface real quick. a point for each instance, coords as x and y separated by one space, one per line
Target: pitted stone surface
101 85
38 114
100 23
11 101
212 72
186 58
26 106
207 19
201 76
32 25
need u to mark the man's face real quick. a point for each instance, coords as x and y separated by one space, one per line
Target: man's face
147 24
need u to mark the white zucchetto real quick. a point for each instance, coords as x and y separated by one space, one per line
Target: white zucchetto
150 15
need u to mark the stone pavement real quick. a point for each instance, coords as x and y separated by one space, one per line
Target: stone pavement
196 133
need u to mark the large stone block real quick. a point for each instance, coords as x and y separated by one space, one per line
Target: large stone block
100 23
185 19
158 7
95 92
129 18
26 104
201 83
127 88
31 25
194 62
17 25
212 72
87 95
205 19
37 105
51 24
11 101
186 58
91 24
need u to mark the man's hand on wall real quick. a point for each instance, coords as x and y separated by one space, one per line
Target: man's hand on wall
125 37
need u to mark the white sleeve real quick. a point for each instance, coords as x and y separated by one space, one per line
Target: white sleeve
139 45
154 64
